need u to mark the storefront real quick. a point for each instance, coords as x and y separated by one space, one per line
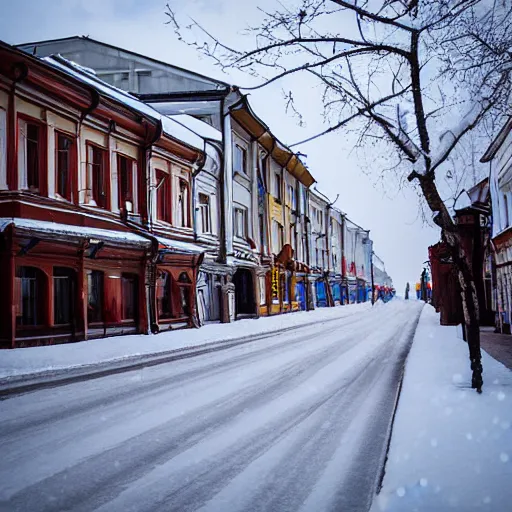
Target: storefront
67 283
176 273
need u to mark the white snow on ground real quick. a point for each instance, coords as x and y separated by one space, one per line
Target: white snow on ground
296 421
29 361
451 449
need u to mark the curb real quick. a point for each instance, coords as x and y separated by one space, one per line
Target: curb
15 385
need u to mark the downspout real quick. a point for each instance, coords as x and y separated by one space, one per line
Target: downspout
151 270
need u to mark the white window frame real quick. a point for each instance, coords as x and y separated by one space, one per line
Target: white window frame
244 153
239 212
205 213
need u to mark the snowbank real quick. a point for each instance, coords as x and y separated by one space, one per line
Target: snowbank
31 361
451 449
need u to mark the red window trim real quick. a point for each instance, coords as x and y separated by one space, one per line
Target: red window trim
131 160
106 177
189 205
42 151
72 192
167 190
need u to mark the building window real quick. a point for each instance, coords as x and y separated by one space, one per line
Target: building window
261 220
204 214
97 176
277 237
183 205
292 197
185 289
31 155
63 295
125 174
64 146
320 218
129 296
293 237
145 81
240 159
163 195
163 295
507 216
278 185
317 260
94 296
240 223
29 289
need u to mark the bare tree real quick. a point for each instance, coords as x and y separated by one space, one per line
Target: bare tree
417 74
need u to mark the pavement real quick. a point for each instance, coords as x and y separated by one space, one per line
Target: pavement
295 422
497 345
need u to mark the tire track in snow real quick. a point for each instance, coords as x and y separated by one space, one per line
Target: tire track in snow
97 479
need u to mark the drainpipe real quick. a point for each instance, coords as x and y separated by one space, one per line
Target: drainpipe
152 259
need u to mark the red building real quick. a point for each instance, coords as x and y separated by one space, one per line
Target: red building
96 235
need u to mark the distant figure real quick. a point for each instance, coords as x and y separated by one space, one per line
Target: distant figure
418 290
407 288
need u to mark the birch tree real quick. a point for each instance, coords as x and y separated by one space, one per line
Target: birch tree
419 75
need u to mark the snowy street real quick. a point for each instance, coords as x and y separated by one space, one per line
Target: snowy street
295 421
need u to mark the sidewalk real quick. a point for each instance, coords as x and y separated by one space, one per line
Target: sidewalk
451 449
20 364
497 345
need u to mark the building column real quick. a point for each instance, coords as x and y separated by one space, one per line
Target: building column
228 183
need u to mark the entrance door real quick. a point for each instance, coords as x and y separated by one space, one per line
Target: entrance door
300 291
244 292
321 296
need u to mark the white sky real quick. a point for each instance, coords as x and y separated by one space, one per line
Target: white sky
392 215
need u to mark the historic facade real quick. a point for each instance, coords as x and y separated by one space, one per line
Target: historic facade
137 197
499 155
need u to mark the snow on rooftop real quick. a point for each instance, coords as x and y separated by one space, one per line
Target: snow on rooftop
179 246
172 128
203 129
70 230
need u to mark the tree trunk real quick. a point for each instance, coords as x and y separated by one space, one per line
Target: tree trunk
470 309
464 267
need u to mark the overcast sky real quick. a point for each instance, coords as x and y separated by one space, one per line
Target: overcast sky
392 215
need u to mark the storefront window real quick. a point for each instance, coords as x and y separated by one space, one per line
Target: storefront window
94 296
63 295
163 295
129 296
29 293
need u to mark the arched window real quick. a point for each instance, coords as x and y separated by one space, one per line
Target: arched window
163 295
30 288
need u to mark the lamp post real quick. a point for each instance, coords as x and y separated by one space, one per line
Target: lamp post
371 269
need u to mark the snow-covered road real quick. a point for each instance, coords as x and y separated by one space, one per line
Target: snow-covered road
297 421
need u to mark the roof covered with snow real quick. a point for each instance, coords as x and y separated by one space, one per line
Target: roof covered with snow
56 229
172 128
179 246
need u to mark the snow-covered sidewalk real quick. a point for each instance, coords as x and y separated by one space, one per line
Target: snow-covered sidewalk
451 449
24 362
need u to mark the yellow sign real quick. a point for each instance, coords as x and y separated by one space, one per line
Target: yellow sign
275 283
